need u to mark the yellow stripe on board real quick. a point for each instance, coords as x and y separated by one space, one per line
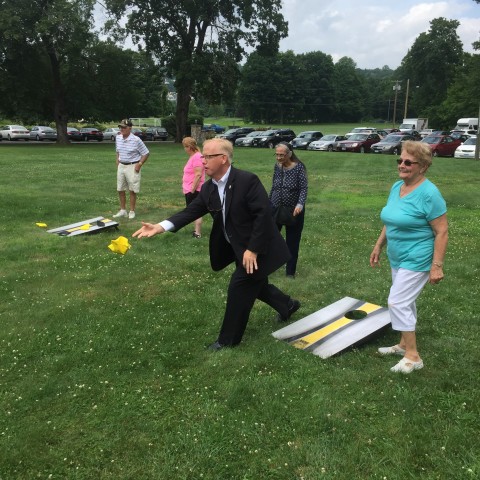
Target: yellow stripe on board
311 338
86 226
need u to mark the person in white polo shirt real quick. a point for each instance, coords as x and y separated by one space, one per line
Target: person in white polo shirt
131 155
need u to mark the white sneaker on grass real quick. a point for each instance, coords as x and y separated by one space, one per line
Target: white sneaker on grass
121 213
131 214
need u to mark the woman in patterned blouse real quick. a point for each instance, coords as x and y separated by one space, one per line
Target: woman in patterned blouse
289 187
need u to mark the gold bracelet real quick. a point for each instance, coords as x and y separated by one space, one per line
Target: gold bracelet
438 264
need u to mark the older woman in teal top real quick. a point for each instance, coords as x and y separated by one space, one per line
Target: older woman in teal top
416 233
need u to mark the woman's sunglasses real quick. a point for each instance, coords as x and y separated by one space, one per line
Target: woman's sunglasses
407 163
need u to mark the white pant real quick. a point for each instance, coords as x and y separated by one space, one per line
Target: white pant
406 287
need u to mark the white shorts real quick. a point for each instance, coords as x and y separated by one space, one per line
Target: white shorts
128 178
406 287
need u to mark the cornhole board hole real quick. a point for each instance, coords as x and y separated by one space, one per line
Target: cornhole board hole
92 225
343 324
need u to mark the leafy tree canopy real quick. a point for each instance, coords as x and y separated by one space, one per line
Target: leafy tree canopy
200 41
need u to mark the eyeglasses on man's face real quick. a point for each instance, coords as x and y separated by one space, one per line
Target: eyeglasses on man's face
407 163
209 157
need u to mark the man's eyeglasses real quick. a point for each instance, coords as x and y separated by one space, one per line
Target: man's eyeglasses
407 163
209 157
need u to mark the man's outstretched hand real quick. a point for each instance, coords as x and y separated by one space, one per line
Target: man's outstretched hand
148 230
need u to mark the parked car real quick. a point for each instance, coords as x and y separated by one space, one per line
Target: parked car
413 133
358 142
111 133
382 133
303 140
462 136
390 144
427 131
392 130
156 133
213 127
247 141
442 145
466 149
364 130
90 133
40 133
14 132
326 143
74 134
138 132
233 133
271 138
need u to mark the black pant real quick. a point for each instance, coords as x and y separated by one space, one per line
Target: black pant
293 234
243 290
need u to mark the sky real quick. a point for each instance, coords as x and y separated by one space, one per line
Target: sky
373 33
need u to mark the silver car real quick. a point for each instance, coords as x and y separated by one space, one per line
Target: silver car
327 143
111 133
14 132
40 133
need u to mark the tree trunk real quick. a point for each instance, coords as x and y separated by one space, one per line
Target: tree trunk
183 105
59 111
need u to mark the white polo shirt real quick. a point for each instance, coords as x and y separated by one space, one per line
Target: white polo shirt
130 149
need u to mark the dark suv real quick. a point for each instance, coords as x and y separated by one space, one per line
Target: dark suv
89 133
233 133
273 137
156 133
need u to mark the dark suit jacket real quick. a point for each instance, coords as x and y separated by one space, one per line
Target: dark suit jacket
248 223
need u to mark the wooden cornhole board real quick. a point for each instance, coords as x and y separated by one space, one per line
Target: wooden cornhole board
92 225
336 327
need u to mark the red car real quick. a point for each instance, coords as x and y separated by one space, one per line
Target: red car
89 133
358 142
442 145
138 132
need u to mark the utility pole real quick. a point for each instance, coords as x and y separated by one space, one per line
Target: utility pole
396 87
406 99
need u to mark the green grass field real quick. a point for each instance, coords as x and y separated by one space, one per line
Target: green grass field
103 370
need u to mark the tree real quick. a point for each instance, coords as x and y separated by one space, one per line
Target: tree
317 86
350 91
200 42
460 101
432 64
108 83
53 29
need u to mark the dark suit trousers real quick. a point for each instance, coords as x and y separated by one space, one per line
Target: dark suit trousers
243 290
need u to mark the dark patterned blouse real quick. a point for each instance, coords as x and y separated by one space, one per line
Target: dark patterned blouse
289 187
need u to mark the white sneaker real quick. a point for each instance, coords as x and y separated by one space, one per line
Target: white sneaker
131 214
407 366
395 350
121 213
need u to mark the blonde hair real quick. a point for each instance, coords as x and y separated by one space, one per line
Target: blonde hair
421 151
191 143
223 144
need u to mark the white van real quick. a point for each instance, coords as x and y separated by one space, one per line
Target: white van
466 124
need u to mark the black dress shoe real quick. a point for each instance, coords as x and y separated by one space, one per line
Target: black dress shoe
293 306
216 346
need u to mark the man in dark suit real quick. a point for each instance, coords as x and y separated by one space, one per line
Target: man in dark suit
243 232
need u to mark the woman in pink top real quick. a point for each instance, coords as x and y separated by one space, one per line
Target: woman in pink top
193 177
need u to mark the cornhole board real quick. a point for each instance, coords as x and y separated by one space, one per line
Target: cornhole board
92 225
338 326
